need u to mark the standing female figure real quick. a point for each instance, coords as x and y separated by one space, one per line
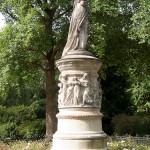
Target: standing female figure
78 31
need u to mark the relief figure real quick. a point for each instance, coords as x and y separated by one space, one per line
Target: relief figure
73 92
87 93
63 89
97 92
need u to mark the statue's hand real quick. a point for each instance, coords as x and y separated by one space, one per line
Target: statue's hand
76 33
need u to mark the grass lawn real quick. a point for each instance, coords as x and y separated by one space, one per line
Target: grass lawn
126 145
44 145
23 145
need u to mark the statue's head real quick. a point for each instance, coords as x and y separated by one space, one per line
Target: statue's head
82 2
86 76
75 2
62 76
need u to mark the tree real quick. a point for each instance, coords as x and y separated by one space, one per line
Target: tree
140 28
113 21
140 94
34 34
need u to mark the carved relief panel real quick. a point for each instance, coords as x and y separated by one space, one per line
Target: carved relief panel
80 90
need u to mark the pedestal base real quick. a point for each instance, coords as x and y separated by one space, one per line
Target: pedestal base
82 142
79 129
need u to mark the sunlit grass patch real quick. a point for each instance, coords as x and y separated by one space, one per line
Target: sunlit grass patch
23 145
3 146
126 145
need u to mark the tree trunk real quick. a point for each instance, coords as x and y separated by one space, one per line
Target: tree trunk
51 105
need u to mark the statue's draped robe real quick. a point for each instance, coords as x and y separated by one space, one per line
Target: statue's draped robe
78 31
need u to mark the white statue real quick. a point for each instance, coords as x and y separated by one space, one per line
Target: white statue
78 31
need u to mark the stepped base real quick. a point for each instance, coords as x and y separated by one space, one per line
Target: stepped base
79 129
80 142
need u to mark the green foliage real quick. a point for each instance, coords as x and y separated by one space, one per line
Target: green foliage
19 114
23 56
23 121
110 26
132 125
36 31
140 28
108 7
140 94
18 85
115 98
111 23
32 129
8 130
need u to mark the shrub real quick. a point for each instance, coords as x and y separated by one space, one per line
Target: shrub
8 130
23 121
17 114
32 129
132 125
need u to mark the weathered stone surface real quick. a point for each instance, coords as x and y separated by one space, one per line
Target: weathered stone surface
81 144
79 129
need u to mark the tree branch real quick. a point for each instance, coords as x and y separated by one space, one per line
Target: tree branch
11 15
34 50
55 50
35 64
60 15
39 2
45 1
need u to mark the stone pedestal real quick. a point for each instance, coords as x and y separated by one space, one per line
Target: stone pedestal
80 95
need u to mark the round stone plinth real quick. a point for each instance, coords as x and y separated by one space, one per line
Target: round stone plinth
82 63
79 129
87 142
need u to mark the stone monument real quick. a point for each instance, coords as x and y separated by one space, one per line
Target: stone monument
80 94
